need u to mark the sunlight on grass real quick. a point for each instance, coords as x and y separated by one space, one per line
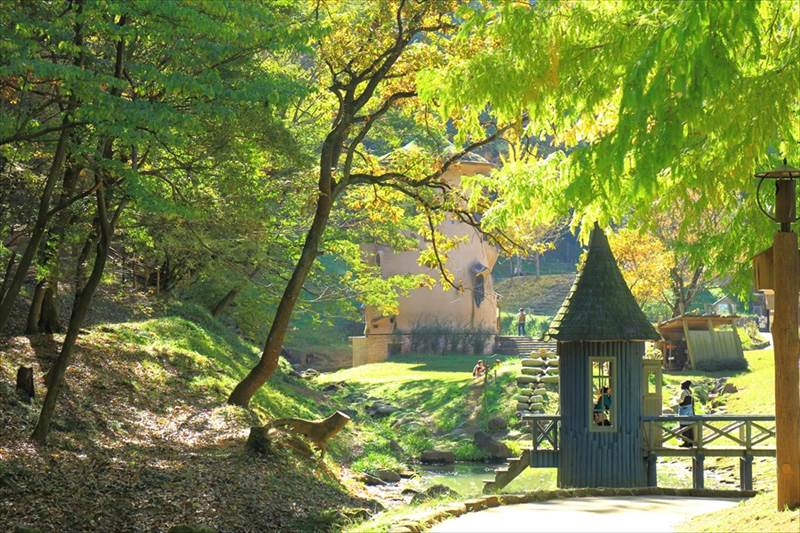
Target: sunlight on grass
754 514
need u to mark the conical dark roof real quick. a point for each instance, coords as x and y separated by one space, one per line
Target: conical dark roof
600 306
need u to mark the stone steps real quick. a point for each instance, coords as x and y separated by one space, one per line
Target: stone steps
513 345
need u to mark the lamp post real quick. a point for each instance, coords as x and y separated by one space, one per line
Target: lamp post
786 284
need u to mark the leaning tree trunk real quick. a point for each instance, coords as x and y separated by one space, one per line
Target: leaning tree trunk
231 295
225 302
43 314
259 375
39 227
80 308
7 276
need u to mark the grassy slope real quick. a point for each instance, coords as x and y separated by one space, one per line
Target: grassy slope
543 295
756 395
440 404
142 438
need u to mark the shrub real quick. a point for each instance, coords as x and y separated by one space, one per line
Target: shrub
440 338
467 451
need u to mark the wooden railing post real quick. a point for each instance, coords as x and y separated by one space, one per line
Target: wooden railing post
698 433
555 433
698 480
652 472
748 435
535 433
746 472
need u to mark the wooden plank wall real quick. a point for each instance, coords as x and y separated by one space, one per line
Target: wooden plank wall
715 348
601 459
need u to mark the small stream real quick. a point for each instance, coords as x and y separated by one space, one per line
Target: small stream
467 478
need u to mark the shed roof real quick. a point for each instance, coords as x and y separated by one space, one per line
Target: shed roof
600 306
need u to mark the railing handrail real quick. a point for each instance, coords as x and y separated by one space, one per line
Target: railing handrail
709 418
536 416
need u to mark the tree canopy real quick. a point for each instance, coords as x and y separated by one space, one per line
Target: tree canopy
648 104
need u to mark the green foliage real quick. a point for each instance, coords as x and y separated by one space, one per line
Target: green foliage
467 451
679 104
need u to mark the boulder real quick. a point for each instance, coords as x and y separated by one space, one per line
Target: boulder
368 479
408 474
309 373
495 449
730 388
381 409
496 424
434 491
331 388
437 457
389 476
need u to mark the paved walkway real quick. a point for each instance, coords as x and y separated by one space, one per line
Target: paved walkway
595 514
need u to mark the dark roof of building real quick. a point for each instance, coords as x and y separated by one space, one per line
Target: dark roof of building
600 306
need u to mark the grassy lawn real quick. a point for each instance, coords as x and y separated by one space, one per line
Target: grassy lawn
440 405
756 384
754 514
755 395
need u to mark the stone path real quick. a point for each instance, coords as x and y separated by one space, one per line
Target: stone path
595 514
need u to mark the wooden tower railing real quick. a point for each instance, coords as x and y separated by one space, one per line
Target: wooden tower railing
743 436
544 431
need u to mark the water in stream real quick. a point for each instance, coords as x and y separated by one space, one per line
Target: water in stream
467 478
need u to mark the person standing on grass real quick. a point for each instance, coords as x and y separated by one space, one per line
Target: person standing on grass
686 408
521 322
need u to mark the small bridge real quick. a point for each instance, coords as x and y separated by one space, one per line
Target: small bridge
742 436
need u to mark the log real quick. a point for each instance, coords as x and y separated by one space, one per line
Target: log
550 379
527 379
25 383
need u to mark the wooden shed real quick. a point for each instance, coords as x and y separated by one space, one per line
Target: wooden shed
601 334
696 341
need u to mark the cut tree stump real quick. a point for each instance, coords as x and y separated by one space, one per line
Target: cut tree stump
25 383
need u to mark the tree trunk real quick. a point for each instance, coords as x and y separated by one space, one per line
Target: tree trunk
42 218
231 295
25 386
48 319
7 275
245 390
80 308
44 214
226 301
35 311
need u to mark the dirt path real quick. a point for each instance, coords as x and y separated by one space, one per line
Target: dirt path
633 513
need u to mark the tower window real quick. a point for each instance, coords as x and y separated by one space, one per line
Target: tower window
603 400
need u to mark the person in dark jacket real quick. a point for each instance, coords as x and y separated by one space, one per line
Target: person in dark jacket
686 408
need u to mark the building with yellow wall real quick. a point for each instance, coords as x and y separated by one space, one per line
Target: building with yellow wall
465 318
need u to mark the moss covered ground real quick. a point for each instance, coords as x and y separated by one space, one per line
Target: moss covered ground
143 440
